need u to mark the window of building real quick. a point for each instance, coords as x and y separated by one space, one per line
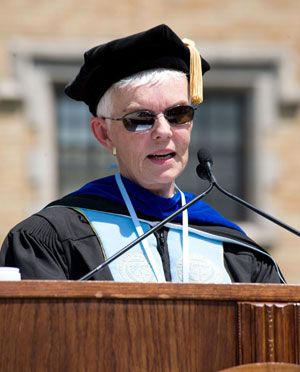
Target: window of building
81 158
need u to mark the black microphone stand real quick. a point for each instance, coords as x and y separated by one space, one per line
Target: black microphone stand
147 233
211 178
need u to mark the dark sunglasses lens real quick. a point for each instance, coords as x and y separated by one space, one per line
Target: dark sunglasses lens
139 121
180 114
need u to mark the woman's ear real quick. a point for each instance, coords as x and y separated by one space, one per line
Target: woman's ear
99 127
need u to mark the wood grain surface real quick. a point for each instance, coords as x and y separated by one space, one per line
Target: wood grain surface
106 289
108 326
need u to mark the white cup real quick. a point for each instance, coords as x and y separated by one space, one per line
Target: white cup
10 273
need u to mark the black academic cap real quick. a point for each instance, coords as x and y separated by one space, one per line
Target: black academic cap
108 63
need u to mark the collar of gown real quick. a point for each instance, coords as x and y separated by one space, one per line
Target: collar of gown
153 205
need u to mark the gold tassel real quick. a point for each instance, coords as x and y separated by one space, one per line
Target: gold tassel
196 83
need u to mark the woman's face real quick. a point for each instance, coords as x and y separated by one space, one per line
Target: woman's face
153 158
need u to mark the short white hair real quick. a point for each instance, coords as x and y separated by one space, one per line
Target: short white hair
149 77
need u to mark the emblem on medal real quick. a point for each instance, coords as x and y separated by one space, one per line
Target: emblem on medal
133 267
202 270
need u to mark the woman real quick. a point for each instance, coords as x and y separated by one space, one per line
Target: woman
138 89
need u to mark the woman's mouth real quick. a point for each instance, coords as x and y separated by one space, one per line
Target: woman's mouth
162 156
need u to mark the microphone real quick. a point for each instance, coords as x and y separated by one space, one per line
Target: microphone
147 233
204 168
204 171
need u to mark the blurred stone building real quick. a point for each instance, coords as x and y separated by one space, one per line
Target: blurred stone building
250 118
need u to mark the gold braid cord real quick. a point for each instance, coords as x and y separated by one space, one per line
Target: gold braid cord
196 85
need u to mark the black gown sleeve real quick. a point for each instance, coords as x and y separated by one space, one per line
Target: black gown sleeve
34 247
249 266
54 244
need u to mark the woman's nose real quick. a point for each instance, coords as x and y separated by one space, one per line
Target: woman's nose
161 128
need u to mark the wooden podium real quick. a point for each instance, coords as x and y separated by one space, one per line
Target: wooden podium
67 326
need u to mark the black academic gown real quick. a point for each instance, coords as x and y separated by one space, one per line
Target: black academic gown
58 243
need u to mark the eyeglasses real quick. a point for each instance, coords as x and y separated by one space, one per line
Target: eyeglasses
142 120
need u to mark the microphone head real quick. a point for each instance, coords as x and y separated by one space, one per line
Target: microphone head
204 156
